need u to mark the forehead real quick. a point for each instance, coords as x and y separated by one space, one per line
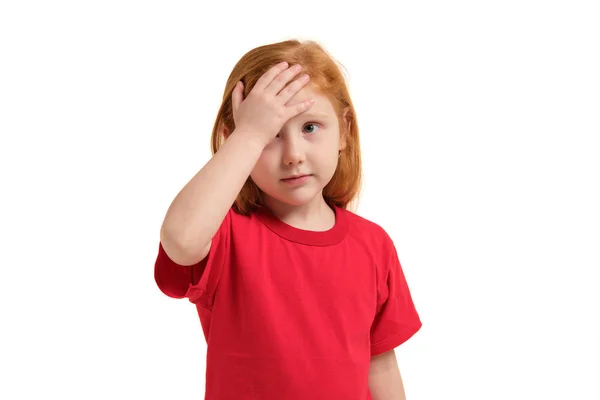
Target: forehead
322 104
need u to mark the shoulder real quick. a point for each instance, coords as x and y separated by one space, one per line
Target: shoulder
366 226
369 232
235 217
235 223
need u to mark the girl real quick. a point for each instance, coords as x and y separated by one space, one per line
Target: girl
298 297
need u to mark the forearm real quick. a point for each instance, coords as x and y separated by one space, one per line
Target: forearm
385 381
198 210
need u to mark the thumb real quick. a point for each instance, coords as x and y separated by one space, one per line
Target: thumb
236 94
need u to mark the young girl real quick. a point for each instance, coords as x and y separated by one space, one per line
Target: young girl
298 297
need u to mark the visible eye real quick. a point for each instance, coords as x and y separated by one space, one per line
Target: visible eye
314 124
311 124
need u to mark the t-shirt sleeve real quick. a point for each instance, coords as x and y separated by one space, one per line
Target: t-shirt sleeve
196 282
396 319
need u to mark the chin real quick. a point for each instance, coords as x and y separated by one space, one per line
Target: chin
297 198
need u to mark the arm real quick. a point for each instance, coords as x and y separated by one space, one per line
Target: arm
197 211
385 382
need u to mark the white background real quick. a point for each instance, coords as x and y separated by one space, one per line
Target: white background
479 123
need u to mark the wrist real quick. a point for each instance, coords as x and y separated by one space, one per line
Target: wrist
251 138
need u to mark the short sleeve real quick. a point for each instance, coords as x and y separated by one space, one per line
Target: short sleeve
196 282
396 319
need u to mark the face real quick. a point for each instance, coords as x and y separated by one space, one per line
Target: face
307 145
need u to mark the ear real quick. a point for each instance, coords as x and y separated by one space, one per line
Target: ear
225 131
345 128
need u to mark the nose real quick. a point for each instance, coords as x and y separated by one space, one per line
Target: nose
293 153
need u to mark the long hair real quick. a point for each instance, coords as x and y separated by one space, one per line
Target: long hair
326 77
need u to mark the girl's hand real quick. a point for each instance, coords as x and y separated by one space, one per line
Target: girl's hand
264 111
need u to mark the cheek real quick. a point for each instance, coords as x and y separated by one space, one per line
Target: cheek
326 159
263 168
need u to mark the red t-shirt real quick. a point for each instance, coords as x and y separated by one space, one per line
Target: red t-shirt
293 314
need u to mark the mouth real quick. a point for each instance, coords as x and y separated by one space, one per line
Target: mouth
296 179
293 177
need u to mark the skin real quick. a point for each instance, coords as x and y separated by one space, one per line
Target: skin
308 143
385 381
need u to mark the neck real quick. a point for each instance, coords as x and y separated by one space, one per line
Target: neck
314 215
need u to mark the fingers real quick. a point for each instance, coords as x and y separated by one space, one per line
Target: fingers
275 79
295 109
286 94
236 95
268 76
273 92
282 79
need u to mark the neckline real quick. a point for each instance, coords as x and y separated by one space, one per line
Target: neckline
315 238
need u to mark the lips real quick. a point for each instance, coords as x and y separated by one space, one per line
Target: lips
294 177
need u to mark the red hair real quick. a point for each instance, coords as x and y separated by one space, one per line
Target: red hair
326 77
